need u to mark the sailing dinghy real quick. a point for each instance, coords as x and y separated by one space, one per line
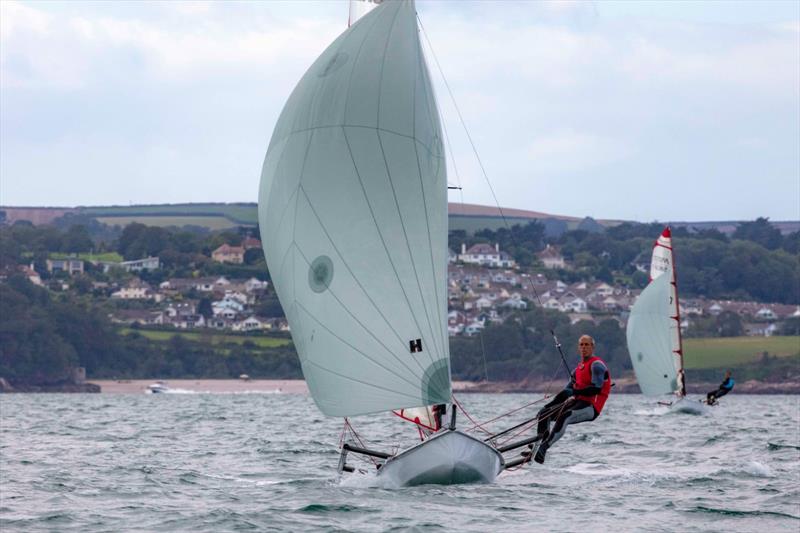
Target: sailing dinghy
654 333
353 217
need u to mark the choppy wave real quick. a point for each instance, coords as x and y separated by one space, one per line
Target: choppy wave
221 462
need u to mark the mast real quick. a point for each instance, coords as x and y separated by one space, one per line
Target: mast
663 262
677 317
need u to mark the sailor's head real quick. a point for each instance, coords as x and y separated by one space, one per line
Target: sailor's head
586 346
727 373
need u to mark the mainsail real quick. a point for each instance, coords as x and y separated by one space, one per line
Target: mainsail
353 217
653 332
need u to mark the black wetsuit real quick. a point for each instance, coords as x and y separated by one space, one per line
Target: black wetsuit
724 388
564 409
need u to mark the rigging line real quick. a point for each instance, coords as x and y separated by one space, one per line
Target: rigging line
367 35
444 128
385 246
483 353
442 337
410 255
355 278
362 126
485 175
350 378
391 183
296 202
371 333
436 288
547 395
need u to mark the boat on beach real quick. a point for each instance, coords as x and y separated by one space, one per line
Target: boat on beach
159 387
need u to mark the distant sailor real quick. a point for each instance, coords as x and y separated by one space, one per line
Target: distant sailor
724 388
581 400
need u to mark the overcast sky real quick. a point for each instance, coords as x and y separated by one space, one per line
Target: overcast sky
631 110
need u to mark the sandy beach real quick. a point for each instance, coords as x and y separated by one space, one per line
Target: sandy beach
139 386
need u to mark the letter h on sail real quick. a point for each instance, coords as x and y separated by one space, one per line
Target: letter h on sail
415 345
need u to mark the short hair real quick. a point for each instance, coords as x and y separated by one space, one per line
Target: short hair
586 337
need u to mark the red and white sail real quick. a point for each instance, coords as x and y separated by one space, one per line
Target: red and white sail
663 263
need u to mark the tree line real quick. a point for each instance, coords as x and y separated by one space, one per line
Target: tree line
44 335
756 262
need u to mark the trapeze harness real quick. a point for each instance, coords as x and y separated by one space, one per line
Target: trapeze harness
591 389
724 388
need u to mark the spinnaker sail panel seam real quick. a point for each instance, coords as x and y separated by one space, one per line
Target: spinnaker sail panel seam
380 235
367 357
380 130
408 248
383 64
437 304
414 399
358 282
355 63
434 270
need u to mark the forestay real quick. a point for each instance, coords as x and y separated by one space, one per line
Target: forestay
649 340
353 217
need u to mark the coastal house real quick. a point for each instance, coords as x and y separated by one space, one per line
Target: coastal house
142 317
210 284
136 289
486 255
251 242
610 304
515 302
228 254
760 329
452 257
251 324
182 308
473 328
227 304
188 321
765 313
30 273
574 318
575 305
551 257
254 285
70 266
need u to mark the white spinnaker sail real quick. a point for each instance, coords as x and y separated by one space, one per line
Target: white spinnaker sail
359 8
663 263
353 217
650 342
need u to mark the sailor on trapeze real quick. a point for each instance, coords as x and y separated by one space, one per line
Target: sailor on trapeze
581 400
724 388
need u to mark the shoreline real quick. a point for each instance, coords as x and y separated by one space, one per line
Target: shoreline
298 386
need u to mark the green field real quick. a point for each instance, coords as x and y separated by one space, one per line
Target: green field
734 351
208 337
110 257
237 213
210 222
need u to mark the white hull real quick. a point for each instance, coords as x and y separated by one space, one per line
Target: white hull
690 407
446 458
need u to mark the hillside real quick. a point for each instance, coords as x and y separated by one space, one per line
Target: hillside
214 216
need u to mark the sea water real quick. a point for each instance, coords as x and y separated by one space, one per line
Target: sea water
224 462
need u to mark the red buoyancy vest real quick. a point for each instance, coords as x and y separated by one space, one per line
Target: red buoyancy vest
583 379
